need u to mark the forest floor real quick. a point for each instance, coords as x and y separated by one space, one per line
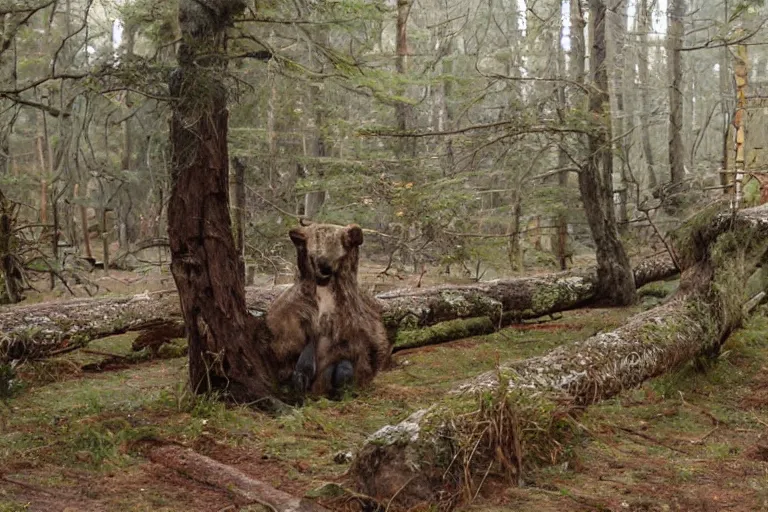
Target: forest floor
695 440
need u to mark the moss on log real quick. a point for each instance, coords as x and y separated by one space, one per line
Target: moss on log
443 332
517 416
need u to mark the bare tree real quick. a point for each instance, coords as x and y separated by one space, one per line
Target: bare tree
615 280
676 12
644 27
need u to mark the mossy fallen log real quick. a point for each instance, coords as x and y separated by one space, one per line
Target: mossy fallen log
520 414
37 330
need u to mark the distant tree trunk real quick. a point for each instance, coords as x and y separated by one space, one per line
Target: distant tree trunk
577 70
726 96
222 351
55 233
740 75
615 280
675 67
403 111
514 251
271 134
237 212
8 268
561 218
726 105
124 203
314 200
105 240
44 201
616 43
642 71
445 119
84 222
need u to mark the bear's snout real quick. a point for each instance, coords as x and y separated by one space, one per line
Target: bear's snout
324 268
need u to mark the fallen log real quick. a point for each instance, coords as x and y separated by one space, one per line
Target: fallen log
35 330
231 480
520 415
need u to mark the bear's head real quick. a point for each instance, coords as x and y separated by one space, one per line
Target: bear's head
325 252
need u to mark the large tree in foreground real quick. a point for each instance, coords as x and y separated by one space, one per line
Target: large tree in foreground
615 280
204 261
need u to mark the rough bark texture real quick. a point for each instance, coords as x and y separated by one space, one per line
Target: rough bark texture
644 26
244 488
8 267
403 110
237 195
412 461
596 178
36 330
204 262
675 68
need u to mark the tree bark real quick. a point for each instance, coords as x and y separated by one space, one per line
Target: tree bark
561 218
642 71
105 240
222 351
403 111
314 200
37 330
237 212
523 401
616 46
675 69
8 265
616 283
84 224
727 97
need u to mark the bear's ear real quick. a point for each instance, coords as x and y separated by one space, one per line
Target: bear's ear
353 236
298 236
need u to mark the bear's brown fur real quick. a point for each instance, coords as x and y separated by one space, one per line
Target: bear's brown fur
326 307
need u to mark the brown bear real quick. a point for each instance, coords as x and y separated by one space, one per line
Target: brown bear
326 331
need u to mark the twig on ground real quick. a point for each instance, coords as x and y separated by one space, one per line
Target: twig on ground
705 436
651 439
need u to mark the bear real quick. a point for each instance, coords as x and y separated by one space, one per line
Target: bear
327 333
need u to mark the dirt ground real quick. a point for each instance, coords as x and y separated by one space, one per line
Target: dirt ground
696 440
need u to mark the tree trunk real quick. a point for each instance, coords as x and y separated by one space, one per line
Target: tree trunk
124 203
237 212
739 121
314 200
272 174
204 262
616 282
642 71
7 261
442 450
58 324
403 111
675 69
105 240
561 216
726 106
84 223
55 234
616 46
